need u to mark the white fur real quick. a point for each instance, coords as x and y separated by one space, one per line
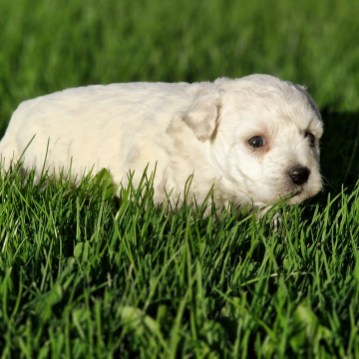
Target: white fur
200 129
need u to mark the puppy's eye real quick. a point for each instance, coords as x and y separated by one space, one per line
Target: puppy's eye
256 141
310 137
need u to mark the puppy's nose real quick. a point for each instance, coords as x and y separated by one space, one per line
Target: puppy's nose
299 175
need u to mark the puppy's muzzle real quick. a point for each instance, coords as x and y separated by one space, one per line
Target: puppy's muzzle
299 175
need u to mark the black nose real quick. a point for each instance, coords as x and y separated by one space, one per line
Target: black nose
299 175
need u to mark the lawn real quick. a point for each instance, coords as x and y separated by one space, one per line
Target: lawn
85 274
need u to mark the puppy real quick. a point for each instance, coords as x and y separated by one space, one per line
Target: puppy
252 140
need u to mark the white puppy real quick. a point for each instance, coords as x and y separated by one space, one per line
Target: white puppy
253 140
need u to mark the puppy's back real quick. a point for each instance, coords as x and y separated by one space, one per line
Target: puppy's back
92 124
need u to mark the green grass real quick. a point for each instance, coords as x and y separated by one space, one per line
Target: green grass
83 274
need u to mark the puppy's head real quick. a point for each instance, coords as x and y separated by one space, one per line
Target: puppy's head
266 143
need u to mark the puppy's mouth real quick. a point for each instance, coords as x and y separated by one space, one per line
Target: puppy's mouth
297 196
301 194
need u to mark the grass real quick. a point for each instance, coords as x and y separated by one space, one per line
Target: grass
83 274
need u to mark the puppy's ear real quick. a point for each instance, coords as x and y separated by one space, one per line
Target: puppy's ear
203 115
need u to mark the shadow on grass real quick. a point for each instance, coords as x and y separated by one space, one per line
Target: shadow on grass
340 150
